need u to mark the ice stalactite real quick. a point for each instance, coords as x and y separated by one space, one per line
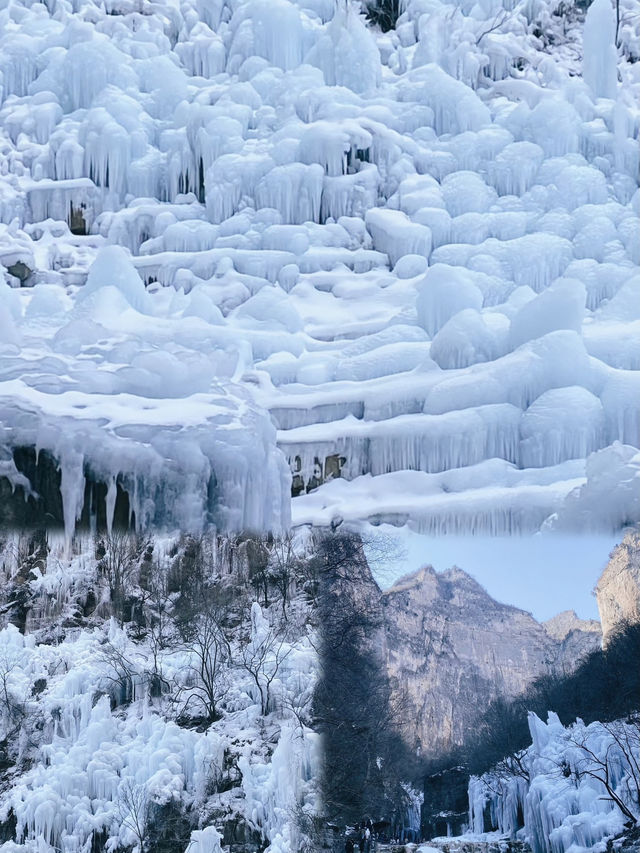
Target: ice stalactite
600 59
72 484
429 443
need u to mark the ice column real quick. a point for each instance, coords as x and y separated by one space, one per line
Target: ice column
599 65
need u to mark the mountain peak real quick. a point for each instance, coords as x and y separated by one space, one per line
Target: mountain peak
412 580
562 624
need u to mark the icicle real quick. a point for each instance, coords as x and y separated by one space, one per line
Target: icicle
72 484
112 493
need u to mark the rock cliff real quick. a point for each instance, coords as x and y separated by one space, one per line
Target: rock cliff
450 648
618 590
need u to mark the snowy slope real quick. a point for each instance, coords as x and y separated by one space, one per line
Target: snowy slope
417 251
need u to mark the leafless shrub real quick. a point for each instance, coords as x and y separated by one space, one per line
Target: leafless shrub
263 657
133 811
207 680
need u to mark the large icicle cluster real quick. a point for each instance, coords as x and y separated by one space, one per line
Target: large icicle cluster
564 804
92 768
419 251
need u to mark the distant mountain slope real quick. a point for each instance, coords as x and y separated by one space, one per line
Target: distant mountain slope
452 648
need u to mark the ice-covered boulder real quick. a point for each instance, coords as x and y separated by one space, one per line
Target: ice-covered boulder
443 292
410 266
470 337
563 423
561 306
113 268
269 308
465 192
394 234
624 306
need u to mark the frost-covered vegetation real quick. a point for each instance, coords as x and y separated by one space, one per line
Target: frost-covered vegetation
417 250
578 782
155 695
577 786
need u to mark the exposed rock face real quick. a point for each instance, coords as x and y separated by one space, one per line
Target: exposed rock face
577 637
451 648
561 626
618 590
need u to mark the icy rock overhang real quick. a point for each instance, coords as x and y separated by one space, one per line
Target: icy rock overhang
117 408
209 459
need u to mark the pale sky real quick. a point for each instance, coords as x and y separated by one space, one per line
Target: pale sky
543 574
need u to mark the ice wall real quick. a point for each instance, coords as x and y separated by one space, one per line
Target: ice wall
417 251
564 804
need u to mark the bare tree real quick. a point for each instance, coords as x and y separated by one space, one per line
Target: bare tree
263 657
119 556
258 564
300 705
160 629
133 811
210 652
498 21
623 750
284 565
13 708
627 736
121 673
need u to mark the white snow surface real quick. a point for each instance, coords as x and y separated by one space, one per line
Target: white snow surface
415 255
565 803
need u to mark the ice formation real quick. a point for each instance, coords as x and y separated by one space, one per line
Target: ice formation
564 804
244 237
100 754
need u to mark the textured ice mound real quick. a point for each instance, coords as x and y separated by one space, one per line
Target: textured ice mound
417 251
